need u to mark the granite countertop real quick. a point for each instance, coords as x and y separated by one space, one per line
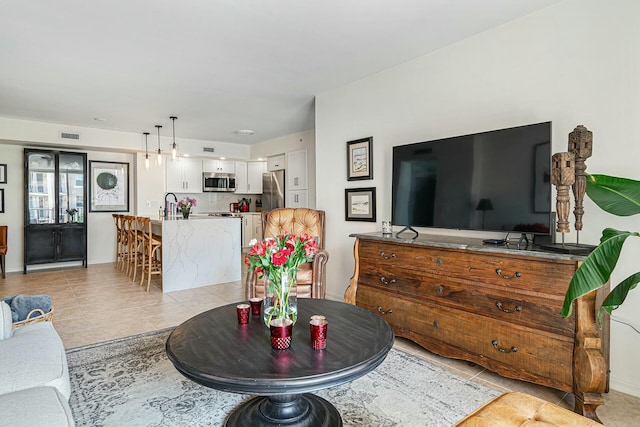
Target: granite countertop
455 242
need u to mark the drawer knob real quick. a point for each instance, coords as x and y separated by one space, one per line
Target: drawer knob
503 350
381 311
505 276
439 289
435 324
438 261
387 282
382 254
516 308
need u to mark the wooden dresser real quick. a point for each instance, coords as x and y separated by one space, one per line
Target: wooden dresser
495 306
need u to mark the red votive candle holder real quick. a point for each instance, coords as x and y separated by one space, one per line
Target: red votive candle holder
243 313
281 331
256 304
318 329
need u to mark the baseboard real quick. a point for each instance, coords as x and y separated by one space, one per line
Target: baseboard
624 386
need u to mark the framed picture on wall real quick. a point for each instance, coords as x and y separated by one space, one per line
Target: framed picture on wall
3 174
359 159
360 204
108 186
1 200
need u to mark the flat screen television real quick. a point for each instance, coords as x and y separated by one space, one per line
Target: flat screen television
489 181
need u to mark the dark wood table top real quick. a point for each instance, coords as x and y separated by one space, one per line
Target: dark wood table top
214 350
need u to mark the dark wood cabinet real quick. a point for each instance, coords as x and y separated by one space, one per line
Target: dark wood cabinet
55 197
497 308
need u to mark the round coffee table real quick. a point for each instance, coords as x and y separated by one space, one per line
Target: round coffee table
214 350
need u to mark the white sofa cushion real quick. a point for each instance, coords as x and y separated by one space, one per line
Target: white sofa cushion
6 324
34 357
35 407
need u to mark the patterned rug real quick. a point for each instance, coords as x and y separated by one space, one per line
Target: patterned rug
130 382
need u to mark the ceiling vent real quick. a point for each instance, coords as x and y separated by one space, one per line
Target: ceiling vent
67 135
209 149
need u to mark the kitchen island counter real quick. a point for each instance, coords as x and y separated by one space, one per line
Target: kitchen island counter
199 251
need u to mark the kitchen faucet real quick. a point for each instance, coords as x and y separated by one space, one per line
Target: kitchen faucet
166 203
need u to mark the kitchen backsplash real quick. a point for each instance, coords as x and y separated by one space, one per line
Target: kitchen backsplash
219 202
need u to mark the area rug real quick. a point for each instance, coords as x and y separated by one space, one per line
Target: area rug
130 382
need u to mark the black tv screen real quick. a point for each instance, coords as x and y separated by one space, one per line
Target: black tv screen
491 181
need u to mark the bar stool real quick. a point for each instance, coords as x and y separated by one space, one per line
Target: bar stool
151 253
137 252
127 242
117 219
4 246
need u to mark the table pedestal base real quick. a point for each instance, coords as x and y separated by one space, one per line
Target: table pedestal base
306 410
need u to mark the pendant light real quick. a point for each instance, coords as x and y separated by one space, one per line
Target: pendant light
174 148
146 150
159 151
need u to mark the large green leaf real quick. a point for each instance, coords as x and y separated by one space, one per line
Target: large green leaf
617 296
619 196
596 269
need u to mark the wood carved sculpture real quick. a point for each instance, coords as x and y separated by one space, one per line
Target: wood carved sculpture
562 176
580 145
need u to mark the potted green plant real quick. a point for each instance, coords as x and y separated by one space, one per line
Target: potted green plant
621 197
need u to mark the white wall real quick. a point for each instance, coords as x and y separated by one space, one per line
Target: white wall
572 63
28 132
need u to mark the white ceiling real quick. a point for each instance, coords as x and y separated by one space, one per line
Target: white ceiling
219 65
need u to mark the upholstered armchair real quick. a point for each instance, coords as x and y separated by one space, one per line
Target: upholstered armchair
310 279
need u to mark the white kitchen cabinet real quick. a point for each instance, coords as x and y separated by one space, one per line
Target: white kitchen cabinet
251 227
223 166
297 170
249 177
297 199
184 175
241 178
276 163
254 176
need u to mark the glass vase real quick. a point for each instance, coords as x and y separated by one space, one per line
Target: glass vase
280 299
185 213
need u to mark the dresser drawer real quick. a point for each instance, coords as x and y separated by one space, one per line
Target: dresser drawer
547 277
535 352
507 305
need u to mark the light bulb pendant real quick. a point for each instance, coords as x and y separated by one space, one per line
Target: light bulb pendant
174 147
159 151
146 150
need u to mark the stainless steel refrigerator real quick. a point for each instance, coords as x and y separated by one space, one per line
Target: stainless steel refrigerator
272 190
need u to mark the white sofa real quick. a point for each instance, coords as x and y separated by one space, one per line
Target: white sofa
34 377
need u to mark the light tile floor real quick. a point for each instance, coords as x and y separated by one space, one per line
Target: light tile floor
100 303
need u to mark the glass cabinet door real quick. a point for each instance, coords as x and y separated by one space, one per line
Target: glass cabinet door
55 220
42 197
71 189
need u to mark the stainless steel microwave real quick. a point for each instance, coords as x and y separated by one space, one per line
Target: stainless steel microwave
215 181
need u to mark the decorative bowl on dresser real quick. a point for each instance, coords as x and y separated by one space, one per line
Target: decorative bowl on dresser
498 307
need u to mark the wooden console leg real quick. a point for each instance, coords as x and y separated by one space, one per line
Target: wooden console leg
587 403
590 367
350 293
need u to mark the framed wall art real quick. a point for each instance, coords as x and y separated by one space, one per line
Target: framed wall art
359 159
108 186
1 200
3 174
360 204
